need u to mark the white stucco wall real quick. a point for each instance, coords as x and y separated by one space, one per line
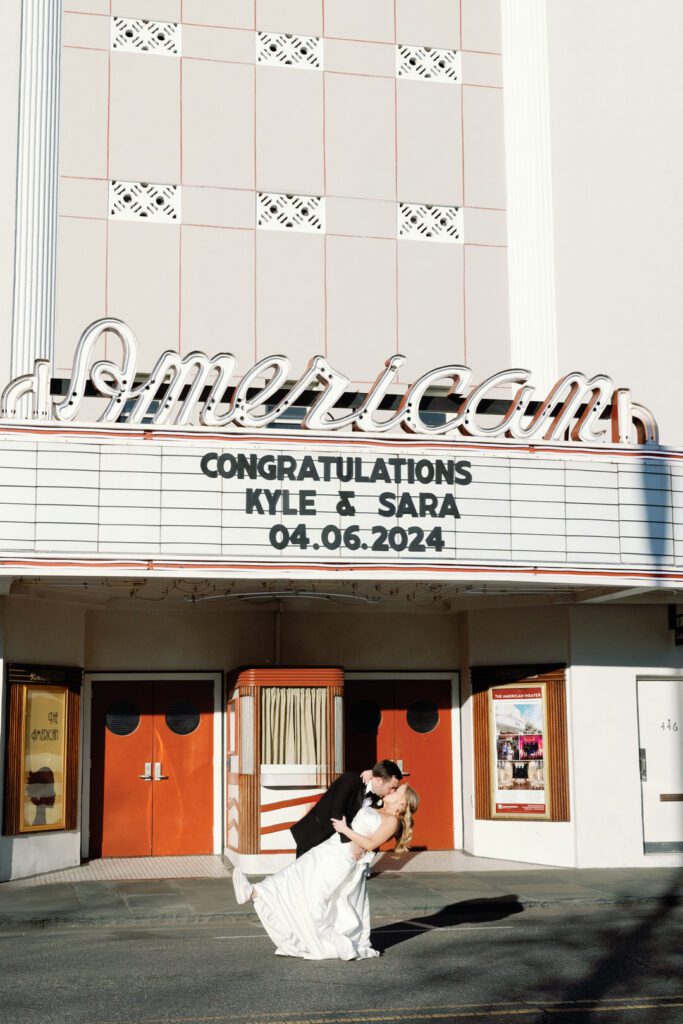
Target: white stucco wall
606 649
610 650
617 162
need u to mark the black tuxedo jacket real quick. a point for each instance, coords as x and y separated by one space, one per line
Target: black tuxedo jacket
344 798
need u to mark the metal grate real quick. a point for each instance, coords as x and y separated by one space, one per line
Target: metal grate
432 223
137 36
291 51
139 200
427 64
290 212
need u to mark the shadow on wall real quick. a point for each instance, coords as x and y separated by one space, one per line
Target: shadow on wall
657 501
6 849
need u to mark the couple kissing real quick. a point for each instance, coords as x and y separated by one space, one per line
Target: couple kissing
317 908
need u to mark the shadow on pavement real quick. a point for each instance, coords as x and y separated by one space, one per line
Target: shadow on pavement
634 955
475 911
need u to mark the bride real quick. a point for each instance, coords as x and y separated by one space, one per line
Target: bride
317 908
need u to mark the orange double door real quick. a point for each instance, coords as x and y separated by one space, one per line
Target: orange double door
407 721
151 791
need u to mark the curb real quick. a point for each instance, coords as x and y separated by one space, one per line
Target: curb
8 924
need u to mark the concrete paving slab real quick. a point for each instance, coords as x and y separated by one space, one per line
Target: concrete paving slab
150 885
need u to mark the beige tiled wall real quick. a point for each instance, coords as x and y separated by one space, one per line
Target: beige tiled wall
222 127
429 144
85 100
361 304
428 23
431 308
290 294
360 136
144 118
217 123
289 131
143 273
217 291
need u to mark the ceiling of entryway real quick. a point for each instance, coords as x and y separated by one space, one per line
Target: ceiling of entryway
270 594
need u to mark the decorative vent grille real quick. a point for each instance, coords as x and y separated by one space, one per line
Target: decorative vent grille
295 51
423 62
290 213
137 36
430 223
137 200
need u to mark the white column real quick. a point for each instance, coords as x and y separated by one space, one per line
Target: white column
37 177
529 189
5 842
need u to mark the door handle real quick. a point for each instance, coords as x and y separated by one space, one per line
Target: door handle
157 772
643 764
148 772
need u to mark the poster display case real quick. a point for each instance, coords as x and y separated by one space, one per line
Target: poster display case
518 739
43 757
521 769
42 752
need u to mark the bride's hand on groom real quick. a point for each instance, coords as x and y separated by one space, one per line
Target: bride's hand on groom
339 825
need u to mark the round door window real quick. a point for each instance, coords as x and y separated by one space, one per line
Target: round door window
182 717
423 716
122 718
365 718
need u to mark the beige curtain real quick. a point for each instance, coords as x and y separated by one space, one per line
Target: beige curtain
293 724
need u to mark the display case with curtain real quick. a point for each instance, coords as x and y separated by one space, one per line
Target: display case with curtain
285 746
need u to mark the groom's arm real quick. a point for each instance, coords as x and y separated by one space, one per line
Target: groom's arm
335 802
337 796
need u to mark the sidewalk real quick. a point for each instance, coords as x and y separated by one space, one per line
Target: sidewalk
393 896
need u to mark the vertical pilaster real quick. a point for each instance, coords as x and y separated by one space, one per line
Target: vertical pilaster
531 249
5 842
33 317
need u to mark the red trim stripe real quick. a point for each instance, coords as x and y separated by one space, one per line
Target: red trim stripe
308 440
427 568
291 803
283 827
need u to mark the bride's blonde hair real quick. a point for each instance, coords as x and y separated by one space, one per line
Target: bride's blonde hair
405 821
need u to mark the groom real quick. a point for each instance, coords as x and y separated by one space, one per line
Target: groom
344 798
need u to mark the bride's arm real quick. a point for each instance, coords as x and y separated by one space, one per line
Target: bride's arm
385 831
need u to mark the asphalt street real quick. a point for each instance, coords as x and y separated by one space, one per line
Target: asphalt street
562 963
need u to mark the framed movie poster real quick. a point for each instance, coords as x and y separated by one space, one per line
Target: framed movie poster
518 742
42 748
43 757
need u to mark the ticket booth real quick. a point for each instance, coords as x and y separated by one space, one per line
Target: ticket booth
285 746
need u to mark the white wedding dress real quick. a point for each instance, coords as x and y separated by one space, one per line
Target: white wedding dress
317 908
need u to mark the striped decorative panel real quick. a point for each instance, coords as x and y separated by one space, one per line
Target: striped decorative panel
482 760
558 747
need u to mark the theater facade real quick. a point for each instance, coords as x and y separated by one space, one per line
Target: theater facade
306 459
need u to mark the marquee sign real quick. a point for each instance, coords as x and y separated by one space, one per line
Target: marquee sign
182 501
196 389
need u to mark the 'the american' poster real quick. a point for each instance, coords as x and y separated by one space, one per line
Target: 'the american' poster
518 742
